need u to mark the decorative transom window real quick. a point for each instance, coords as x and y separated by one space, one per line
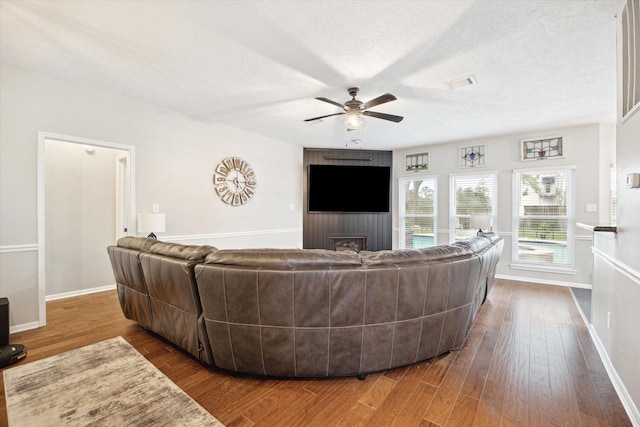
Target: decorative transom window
472 204
417 212
544 217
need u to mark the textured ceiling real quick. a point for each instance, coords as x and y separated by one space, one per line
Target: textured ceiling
258 65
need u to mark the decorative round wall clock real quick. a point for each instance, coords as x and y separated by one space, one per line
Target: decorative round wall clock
235 181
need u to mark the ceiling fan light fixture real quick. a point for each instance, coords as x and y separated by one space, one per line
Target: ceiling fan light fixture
353 120
354 110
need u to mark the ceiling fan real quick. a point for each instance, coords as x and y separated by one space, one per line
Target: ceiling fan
355 110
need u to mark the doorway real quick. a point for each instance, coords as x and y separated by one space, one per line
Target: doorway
86 201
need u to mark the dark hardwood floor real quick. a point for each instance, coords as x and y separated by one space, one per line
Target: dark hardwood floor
528 361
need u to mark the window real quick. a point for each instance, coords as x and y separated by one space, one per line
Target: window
544 217
471 195
418 224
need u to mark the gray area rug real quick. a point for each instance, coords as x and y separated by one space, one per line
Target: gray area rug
104 384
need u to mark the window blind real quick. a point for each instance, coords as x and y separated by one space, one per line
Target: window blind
544 217
417 212
471 195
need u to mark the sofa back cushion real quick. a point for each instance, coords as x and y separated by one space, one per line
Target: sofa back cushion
283 258
168 273
392 257
474 245
175 303
132 289
179 251
138 243
126 268
431 254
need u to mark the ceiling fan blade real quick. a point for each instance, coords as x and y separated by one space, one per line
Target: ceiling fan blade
387 97
331 102
322 117
383 116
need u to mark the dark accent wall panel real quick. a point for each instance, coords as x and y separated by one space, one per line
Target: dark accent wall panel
319 227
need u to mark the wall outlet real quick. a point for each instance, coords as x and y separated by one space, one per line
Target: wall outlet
591 207
155 208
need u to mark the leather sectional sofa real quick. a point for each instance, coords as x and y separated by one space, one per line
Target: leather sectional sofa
306 312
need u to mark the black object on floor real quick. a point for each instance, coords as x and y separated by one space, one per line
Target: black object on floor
8 353
11 354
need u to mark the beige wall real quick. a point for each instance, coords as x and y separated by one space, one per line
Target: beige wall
582 145
616 288
628 154
615 303
175 157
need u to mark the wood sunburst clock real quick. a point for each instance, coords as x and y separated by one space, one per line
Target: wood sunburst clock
235 181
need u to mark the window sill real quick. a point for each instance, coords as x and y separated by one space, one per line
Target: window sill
544 268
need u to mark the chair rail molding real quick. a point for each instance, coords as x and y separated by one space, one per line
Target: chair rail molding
188 237
619 266
11 249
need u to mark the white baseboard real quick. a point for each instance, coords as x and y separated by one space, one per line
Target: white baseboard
544 281
621 390
24 327
79 292
33 325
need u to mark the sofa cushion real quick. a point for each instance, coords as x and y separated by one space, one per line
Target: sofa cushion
474 245
176 250
392 257
493 237
139 243
436 253
283 258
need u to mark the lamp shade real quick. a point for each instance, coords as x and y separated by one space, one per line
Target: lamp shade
151 222
480 222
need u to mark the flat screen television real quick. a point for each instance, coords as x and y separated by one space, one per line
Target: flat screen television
337 188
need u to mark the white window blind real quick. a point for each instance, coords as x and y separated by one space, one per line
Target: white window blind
417 212
471 195
544 217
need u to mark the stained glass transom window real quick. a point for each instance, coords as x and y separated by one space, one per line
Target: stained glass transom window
417 162
472 156
544 148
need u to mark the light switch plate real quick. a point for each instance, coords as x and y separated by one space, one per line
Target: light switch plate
591 207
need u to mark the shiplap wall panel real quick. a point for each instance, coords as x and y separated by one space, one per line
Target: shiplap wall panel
318 227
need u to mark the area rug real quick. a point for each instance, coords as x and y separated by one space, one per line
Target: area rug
104 384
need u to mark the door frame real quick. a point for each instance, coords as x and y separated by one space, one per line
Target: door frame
42 137
123 195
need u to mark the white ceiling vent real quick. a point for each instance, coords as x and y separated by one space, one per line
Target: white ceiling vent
465 81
